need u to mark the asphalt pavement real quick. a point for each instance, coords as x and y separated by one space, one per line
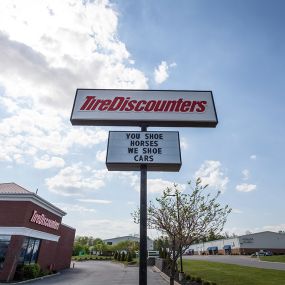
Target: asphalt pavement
101 273
239 260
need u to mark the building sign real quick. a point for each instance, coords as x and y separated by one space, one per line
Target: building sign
247 240
42 220
160 151
144 107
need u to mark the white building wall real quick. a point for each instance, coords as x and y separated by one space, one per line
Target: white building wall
263 240
202 247
129 238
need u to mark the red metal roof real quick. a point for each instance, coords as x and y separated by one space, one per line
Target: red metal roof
12 188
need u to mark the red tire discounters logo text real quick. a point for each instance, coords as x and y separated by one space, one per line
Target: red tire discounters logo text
124 104
41 219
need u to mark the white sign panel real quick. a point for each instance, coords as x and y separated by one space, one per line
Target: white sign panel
144 107
160 151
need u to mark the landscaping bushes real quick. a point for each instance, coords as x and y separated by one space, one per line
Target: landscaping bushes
91 257
29 271
193 280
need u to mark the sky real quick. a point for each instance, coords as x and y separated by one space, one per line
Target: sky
48 49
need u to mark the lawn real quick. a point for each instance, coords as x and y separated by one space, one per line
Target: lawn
229 274
273 258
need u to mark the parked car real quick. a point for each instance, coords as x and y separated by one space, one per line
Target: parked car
264 252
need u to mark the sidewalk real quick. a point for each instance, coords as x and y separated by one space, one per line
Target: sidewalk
102 273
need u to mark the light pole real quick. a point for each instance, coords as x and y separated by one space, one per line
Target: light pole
179 224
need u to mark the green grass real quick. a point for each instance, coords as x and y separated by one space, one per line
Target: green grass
229 274
273 258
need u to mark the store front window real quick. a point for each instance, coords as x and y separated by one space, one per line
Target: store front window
4 243
29 251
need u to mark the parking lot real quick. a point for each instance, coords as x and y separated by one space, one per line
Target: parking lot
101 273
239 260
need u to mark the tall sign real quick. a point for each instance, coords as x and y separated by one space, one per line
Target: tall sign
154 151
167 108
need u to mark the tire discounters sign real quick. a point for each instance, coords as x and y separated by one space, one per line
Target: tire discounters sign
165 108
160 151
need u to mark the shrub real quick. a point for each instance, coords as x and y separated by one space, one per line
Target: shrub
123 257
161 252
31 271
129 257
188 277
198 280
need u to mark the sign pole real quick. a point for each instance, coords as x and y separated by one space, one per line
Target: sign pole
143 223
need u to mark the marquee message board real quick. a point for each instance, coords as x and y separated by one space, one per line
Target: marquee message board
167 108
160 151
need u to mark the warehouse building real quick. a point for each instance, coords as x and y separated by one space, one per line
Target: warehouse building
31 231
245 244
116 240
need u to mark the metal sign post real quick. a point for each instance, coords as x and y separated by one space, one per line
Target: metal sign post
143 223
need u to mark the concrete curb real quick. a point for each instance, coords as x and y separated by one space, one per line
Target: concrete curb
35 279
163 275
272 262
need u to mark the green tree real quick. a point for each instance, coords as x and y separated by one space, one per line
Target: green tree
185 218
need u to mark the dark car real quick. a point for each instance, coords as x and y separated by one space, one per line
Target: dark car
264 252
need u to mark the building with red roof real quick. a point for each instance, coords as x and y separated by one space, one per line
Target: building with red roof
31 231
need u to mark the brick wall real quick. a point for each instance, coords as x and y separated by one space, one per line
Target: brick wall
11 258
19 213
55 255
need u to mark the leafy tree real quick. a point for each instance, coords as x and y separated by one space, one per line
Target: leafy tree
78 249
185 218
126 245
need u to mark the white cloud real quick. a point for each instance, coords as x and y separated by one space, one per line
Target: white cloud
153 185
211 173
75 180
274 228
48 162
29 132
245 174
101 155
161 73
130 178
184 143
44 57
241 231
244 187
74 208
106 228
253 157
237 211
95 201
158 185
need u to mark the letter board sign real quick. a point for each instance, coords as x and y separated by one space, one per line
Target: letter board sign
164 108
127 151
